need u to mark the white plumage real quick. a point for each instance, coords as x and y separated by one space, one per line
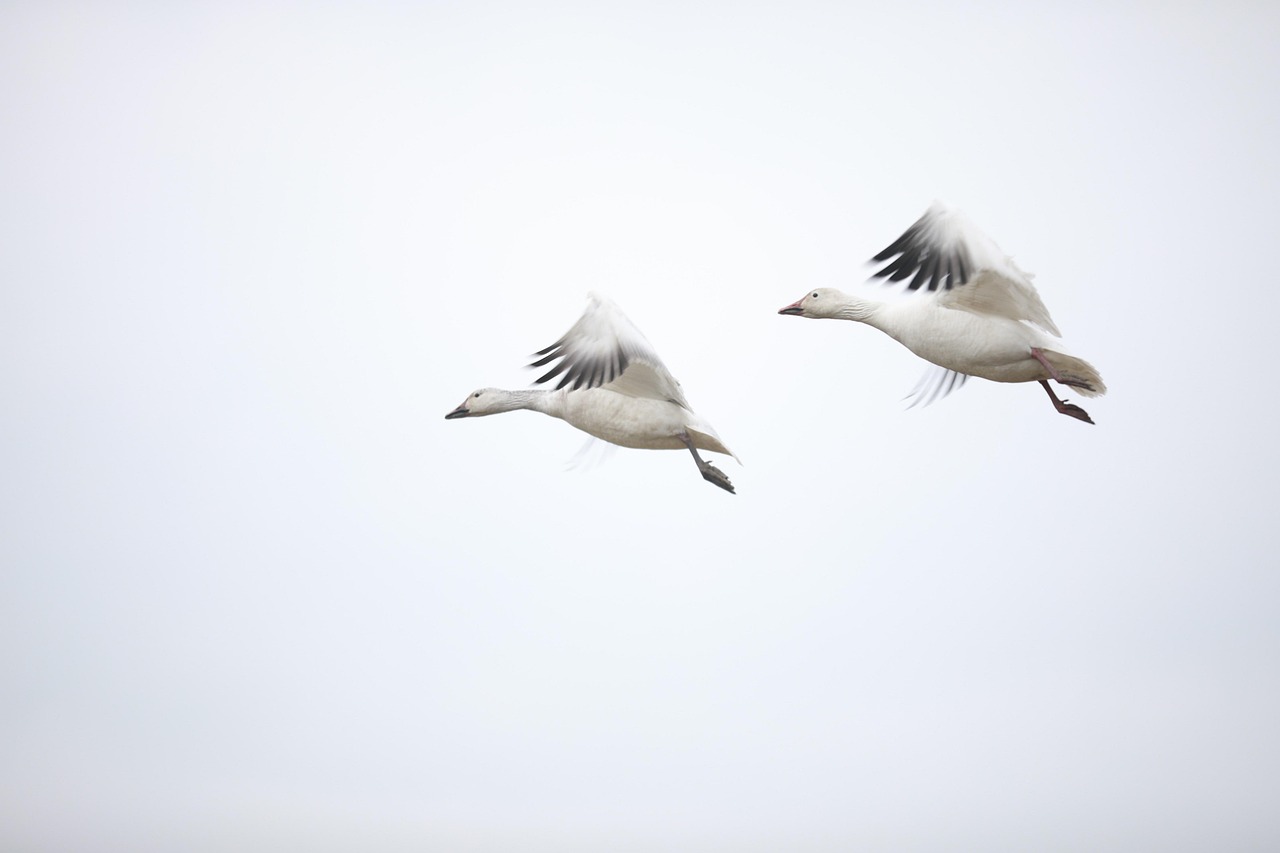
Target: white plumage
979 315
614 387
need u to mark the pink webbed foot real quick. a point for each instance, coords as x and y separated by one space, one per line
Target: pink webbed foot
1066 408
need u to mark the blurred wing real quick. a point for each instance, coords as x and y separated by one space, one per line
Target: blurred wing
936 383
604 348
945 253
594 453
936 250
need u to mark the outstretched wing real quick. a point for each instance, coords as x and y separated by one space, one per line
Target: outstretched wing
605 349
946 254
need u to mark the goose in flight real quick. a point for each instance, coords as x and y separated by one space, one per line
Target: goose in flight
613 387
979 316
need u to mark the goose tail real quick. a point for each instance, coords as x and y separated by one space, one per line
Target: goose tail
705 438
1078 373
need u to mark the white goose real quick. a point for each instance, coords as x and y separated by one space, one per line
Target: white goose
614 387
982 316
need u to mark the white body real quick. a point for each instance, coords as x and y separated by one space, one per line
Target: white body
993 348
614 387
979 315
640 422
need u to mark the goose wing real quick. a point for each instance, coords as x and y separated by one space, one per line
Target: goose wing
604 349
936 383
946 254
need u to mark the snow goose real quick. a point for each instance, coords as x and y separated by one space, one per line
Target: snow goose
980 317
613 387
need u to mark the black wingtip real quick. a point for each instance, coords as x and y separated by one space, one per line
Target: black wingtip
550 348
932 269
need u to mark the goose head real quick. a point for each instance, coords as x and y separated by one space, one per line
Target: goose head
486 401
822 303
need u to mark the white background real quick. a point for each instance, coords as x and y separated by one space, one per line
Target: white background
258 594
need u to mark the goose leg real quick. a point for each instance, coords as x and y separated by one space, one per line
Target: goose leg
710 473
1064 407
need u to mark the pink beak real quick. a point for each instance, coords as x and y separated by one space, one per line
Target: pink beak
793 308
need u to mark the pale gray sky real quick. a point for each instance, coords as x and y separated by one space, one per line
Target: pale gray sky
258 594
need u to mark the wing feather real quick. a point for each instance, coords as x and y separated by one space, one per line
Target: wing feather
936 383
996 294
604 349
965 270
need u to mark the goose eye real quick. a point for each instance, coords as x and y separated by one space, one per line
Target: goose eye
815 296
477 394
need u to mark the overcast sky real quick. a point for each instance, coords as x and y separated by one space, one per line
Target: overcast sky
256 593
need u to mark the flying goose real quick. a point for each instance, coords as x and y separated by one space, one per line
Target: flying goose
613 387
979 316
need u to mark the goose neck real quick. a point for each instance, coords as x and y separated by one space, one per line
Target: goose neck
859 310
537 400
